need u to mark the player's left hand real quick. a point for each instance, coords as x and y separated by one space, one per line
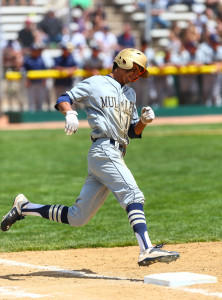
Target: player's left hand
147 115
72 122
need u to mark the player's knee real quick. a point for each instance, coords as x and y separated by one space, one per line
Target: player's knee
77 217
133 196
77 222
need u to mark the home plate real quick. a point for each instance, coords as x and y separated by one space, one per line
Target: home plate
179 279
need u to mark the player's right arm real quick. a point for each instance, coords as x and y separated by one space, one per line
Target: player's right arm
64 107
72 123
64 102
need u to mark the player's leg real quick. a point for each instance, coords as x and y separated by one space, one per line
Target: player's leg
148 254
112 170
22 207
107 165
91 198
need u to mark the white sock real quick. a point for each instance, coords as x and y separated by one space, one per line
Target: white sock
141 243
31 206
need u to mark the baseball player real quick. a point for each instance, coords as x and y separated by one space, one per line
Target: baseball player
112 115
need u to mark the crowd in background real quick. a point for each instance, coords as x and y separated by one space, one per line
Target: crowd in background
89 43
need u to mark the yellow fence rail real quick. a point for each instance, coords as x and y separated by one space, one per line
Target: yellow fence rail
154 71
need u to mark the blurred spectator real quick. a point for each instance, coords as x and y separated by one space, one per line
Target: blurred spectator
210 52
79 18
94 63
66 63
164 84
36 88
156 12
175 28
78 39
174 41
188 85
214 5
52 26
12 60
79 44
12 55
98 17
126 39
140 4
190 36
106 39
201 19
147 49
219 27
26 35
108 44
211 20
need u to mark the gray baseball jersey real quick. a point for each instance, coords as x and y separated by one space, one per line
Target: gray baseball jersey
110 108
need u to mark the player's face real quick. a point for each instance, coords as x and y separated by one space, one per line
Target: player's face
133 74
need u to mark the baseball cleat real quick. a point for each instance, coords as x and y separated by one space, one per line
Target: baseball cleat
15 214
155 254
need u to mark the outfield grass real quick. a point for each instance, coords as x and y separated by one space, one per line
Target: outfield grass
178 168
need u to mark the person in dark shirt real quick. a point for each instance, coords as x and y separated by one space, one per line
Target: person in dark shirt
66 63
126 39
36 88
94 63
26 36
52 26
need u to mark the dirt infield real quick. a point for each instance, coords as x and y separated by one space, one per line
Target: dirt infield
107 274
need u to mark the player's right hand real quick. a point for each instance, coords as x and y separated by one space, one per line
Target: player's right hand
72 122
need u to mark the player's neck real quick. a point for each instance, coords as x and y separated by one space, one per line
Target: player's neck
115 76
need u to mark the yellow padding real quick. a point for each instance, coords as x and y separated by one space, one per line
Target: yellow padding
154 71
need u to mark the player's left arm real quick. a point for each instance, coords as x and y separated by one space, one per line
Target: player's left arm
147 116
139 127
136 129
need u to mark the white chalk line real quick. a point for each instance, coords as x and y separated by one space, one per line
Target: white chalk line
199 291
18 293
88 275
63 271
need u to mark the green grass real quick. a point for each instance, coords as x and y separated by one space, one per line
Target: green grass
178 168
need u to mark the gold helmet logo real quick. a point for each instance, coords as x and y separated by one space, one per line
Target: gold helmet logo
128 56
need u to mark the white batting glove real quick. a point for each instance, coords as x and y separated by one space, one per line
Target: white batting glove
72 122
147 115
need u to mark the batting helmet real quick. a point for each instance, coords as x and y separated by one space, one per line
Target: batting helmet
128 56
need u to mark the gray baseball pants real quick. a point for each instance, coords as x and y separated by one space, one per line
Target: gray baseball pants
106 172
